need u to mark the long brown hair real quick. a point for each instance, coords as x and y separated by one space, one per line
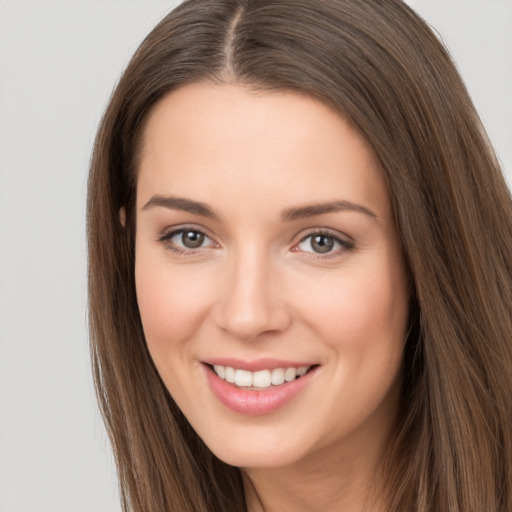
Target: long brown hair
381 67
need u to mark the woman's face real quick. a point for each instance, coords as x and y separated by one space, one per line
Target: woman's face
266 254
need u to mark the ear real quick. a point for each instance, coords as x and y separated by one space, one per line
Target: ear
122 216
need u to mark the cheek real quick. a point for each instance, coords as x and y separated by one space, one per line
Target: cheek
361 317
359 307
362 320
172 301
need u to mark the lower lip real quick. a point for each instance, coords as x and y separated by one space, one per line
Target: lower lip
253 403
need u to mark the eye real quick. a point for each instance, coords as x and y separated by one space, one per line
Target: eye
186 239
323 243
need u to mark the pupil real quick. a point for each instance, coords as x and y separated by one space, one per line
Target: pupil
322 243
192 239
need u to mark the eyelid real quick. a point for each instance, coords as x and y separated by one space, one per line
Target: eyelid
168 233
324 231
346 242
169 230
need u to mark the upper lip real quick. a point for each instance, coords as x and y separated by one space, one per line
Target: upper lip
255 365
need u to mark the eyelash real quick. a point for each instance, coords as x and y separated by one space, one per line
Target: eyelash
165 239
346 245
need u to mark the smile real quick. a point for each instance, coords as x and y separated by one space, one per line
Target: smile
258 392
260 380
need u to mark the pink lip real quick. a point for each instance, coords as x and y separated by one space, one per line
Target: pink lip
257 364
254 403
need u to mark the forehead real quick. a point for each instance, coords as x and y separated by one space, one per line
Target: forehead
204 138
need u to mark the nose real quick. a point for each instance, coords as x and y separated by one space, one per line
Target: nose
251 301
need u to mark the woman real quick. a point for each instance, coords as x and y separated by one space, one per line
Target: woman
299 249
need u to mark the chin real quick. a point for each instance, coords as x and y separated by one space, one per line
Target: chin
255 458
266 450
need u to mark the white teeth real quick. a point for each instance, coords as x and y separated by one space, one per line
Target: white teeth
229 374
261 379
277 376
220 370
302 371
290 374
243 378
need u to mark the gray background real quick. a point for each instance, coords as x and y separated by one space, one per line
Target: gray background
58 63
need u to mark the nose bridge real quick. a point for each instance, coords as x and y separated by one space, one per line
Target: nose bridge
251 303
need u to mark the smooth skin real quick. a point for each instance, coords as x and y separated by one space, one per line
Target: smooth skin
241 276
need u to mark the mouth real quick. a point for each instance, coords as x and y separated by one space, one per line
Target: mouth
259 380
259 392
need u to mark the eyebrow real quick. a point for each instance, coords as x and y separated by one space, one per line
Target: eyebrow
180 203
313 210
288 215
